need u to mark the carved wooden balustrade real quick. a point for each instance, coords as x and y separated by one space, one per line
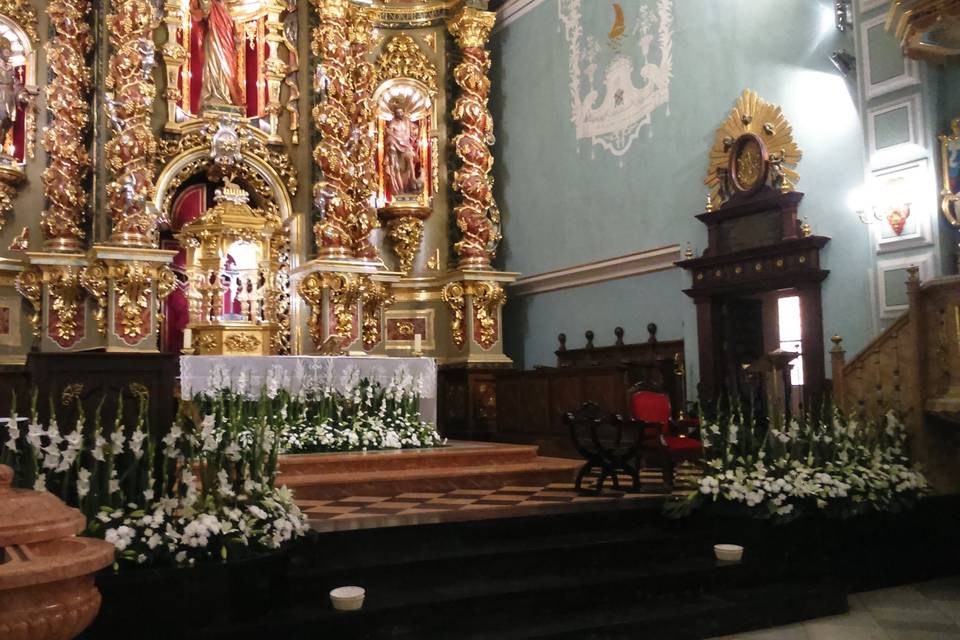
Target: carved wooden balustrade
913 368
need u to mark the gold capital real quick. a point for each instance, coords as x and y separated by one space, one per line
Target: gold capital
471 27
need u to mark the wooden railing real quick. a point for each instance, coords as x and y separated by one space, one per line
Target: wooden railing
913 368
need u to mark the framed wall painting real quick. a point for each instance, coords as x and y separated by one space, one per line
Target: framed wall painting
902 206
950 174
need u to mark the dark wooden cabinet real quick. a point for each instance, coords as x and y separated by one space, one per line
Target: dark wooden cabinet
91 376
757 252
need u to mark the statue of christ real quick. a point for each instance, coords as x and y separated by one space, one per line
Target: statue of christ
401 154
220 83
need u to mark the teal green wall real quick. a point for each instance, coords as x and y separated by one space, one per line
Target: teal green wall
567 203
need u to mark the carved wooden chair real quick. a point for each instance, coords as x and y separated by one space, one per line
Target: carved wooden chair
660 435
599 437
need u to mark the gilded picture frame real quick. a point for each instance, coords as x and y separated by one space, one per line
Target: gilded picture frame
950 174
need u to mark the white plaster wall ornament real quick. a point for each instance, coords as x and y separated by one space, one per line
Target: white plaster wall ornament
615 120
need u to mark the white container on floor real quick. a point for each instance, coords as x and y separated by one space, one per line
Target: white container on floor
347 598
728 552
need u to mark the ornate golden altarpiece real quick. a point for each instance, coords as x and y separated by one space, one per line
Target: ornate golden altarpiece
341 153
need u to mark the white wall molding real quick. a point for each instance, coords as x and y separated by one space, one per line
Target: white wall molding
513 10
633 264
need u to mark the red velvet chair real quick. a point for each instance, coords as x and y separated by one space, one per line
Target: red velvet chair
652 409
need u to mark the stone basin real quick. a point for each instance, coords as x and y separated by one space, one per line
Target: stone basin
46 572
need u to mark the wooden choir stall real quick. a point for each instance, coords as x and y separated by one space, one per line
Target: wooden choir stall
527 406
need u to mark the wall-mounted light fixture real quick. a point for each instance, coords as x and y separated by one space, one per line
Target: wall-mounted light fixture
844 61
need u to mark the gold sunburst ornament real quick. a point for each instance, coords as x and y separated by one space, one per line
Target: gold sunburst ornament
754 147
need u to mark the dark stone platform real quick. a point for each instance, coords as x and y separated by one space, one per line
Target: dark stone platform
598 573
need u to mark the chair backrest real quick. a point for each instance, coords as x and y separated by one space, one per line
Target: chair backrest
652 407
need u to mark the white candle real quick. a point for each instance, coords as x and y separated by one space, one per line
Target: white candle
187 338
417 343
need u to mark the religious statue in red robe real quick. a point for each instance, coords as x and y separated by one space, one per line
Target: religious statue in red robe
220 83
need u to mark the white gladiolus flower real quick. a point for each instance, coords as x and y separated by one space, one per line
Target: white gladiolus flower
98 448
83 483
34 433
136 443
117 440
13 433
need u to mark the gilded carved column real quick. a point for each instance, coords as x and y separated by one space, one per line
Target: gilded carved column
130 92
363 81
478 217
344 83
331 46
65 139
174 58
275 69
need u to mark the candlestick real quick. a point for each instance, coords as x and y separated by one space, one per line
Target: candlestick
187 341
417 344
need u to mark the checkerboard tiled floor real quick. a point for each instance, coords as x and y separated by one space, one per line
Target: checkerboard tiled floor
505 499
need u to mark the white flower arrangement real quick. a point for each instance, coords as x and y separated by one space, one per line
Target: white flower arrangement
781 471
358 414
199 493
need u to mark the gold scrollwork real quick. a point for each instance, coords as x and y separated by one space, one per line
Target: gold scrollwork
66 297
94 278
206 343
71 393
29 284
402 58
406 234
344 291
68 100
134 286
405 329
488 297
242 342
311 290
375 298
454 295
21 12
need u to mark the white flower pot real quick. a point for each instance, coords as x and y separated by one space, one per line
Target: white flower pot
728 552
347 598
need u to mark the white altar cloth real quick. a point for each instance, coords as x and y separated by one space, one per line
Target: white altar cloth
249 374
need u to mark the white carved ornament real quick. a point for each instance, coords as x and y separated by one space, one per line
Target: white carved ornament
616 121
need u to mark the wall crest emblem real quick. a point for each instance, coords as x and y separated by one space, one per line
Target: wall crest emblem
634 64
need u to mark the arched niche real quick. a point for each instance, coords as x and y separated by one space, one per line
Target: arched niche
18 28
264 183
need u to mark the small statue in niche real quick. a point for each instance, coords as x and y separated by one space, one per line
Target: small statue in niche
400 142
11 95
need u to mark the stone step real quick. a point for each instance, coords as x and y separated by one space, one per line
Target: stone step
455 454
459 465
333 486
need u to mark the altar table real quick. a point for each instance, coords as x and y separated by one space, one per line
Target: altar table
207 374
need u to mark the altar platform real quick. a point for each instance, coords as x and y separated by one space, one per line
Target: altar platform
460 482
